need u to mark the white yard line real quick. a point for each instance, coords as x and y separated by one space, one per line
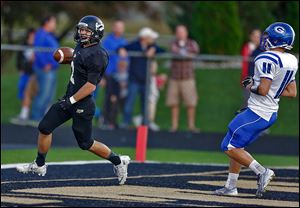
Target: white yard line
7 166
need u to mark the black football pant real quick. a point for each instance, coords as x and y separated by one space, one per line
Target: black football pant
81 113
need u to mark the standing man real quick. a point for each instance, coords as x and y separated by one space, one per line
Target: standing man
88 66
145 44
45 68
182 79
111 43
274 76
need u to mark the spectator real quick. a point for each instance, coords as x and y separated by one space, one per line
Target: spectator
45 68
246 52
27 83
182 78
137 69
112 42
122 79
98 113
157 82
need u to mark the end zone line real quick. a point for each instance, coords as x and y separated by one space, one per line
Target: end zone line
86 162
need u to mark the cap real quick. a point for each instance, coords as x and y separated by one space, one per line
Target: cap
148 32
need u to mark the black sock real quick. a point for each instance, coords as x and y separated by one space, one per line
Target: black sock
40 159
114 158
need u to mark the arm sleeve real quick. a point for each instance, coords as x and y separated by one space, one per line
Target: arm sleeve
128 47
159 49
95 65
265 68
194 47
174 47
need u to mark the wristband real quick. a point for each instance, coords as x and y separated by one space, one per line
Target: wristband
254 89
72 100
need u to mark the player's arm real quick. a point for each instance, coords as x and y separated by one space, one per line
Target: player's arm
290 90
262 89
93 66
265 69
84 91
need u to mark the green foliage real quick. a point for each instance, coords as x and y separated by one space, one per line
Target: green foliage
255 15
216 26
222 27
292 17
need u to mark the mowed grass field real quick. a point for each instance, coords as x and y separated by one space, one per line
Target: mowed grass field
162 155
219 97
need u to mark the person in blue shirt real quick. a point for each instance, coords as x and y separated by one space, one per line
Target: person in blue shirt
111 43
145 44
45 68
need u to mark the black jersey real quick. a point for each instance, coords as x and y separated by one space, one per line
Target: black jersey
88 65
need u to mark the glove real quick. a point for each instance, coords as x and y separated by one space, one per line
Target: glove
65 103
248 80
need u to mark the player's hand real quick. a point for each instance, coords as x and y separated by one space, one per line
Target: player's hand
65 103
248 82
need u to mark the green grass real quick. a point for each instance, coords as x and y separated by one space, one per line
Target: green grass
162 155
219 97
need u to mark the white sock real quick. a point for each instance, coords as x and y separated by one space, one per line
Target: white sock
256 167
231 180
24 112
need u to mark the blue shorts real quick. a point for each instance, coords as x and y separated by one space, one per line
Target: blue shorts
245 129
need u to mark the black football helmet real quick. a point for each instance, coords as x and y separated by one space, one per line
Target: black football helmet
92 23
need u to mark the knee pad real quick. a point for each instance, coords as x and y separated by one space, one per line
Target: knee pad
43 128
86 145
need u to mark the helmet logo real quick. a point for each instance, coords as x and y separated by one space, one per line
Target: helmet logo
279 29
99 26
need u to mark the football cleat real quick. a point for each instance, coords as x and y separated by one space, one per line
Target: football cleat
121 169
226 191
34 168
263 180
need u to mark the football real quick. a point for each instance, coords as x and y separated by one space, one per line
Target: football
63 55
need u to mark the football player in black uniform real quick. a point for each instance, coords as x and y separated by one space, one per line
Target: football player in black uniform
88 66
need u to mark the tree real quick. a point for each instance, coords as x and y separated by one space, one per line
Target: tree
217 27
214 25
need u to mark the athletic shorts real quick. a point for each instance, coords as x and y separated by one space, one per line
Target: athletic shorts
81 113
185 89
245 129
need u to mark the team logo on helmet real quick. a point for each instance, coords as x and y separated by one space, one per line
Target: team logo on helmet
279 29
99 26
